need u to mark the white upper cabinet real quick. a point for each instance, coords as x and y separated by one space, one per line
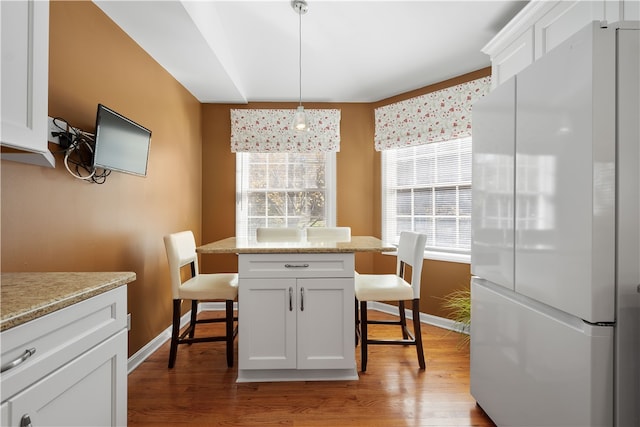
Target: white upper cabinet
25 67
542 25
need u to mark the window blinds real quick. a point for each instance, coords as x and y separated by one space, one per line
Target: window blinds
427 189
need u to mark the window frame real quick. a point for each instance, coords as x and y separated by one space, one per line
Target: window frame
431 252
242 175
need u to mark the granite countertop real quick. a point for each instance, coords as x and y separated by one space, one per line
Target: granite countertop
232 245
27 296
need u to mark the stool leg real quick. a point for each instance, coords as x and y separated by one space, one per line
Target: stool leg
403 319
357 331
175 332
194 318
229 337
363 336
418 332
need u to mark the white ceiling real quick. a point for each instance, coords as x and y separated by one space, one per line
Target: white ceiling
352 51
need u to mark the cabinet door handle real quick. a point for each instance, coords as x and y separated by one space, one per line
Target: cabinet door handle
290 298
296 266
25 421
301 299
27 354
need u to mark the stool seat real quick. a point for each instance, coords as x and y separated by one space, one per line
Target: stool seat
382 287
203 286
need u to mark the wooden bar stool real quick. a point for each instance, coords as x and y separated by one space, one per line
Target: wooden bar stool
181 251
394 287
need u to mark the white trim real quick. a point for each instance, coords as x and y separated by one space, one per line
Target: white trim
153 345
428 319
331 189
242 203
448 256
442 256
524 20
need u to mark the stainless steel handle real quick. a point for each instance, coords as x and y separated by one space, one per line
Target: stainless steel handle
25 421
290 298
27 354
301 299
296 265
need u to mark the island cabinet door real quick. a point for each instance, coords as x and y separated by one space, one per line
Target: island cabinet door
326 323
267 323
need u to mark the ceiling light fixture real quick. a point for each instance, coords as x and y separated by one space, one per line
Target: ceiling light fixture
300 118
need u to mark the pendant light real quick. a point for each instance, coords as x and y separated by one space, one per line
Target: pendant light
300 117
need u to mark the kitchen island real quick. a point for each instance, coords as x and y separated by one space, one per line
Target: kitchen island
296 307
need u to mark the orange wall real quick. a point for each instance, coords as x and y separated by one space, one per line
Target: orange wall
357 164
358 189
52 221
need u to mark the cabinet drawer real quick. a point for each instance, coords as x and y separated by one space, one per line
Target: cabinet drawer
59 337
89 391
296 265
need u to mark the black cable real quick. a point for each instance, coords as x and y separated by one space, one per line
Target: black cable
79 148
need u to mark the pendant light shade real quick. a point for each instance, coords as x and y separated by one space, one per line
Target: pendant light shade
300 118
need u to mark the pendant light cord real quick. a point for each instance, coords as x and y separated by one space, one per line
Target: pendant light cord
300 55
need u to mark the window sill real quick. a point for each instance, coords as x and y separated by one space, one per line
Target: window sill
448 256
443 256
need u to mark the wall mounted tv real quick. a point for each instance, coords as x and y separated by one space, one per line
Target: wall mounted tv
120 144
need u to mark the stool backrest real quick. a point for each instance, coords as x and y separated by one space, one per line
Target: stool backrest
328 234
181 250
278 234
411 252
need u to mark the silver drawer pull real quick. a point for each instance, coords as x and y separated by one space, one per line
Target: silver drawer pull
27 354
296 265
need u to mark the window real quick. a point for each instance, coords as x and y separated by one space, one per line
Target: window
427 189
284 189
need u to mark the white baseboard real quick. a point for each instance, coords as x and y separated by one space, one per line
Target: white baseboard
425 318
152 346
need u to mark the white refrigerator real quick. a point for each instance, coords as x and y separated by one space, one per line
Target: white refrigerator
555 308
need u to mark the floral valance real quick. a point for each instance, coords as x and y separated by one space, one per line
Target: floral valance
437 116
265 131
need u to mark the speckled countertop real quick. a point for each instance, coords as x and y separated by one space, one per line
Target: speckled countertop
232 245
27 296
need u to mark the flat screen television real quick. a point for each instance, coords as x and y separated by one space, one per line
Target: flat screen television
120 144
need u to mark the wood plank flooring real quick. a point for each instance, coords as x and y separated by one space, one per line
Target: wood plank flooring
201 390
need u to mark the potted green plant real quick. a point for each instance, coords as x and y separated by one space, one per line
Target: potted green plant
458 305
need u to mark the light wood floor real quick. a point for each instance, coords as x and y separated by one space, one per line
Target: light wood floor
200 390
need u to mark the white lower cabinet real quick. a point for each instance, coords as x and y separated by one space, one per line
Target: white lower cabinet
77 375
294 327
82 393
